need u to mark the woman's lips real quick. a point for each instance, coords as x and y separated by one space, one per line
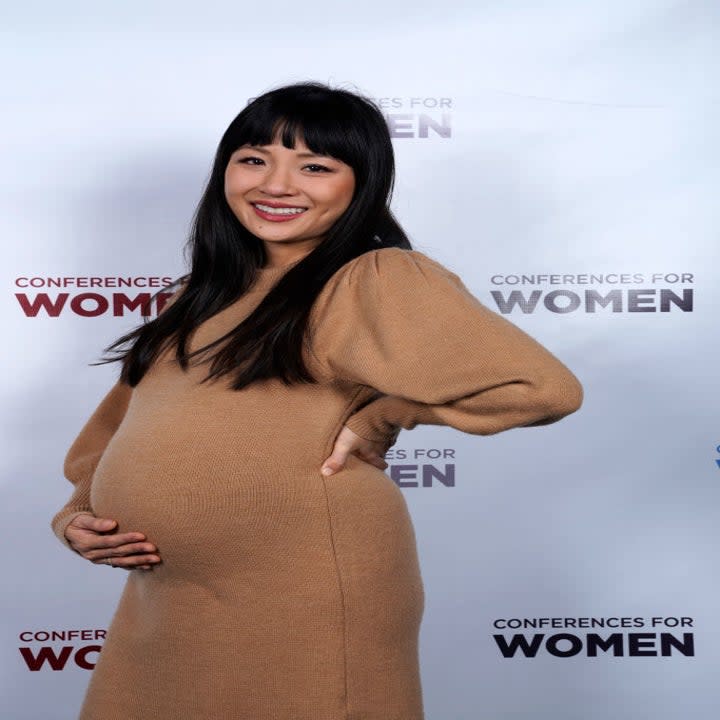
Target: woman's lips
278 217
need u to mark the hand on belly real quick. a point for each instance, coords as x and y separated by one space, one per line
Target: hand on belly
97 540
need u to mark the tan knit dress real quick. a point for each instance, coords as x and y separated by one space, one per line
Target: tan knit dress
283 594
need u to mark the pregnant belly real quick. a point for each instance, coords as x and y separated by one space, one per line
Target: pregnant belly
205 508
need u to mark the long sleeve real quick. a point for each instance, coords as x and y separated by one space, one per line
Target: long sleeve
403 324
85 453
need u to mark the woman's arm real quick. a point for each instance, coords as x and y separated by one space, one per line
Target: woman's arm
75 525
403 324
85 453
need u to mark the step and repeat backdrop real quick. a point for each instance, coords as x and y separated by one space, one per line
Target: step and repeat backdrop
561 159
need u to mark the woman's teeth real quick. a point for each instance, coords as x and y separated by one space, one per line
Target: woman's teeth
279 211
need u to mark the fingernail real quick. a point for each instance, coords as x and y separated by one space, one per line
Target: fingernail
327 471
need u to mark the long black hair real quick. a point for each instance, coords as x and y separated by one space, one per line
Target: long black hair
225 256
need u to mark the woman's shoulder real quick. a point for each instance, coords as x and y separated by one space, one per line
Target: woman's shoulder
381 280
390 265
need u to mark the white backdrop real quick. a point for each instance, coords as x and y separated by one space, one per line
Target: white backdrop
562 139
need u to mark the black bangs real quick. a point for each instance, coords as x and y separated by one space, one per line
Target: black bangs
327 125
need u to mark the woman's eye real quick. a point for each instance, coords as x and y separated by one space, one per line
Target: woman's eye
314 167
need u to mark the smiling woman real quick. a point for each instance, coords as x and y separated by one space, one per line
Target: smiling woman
236 466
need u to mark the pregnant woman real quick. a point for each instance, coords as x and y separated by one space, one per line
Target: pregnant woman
236 468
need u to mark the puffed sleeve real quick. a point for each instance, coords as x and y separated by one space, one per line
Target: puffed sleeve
85 453
401 323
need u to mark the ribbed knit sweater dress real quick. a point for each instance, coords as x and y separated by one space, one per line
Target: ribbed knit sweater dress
283 594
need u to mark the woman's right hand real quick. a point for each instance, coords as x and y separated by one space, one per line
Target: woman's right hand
94 539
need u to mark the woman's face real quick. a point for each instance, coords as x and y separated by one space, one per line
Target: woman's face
289 198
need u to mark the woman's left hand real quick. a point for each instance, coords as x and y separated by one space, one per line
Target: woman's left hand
349 443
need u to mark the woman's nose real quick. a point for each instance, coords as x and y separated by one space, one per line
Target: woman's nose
277 179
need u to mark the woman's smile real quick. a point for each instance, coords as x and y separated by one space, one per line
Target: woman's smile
279 214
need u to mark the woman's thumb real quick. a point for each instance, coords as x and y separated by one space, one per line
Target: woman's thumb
90 522
335 462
